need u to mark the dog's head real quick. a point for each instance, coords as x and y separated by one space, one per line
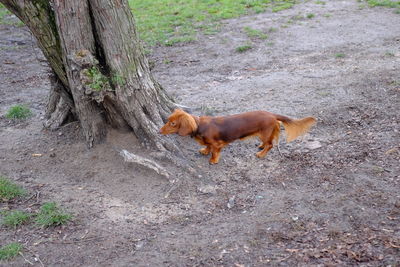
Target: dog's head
179 122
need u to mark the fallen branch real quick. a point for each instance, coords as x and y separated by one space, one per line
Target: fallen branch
130 157
25 258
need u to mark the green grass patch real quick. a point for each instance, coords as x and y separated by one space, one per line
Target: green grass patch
310 15
51 215
15 218
10 251
243 48
179 39
18 112
282 6
340 55
9 190
254 33
384 3
5 19
389 54
272 29
168 22
3 13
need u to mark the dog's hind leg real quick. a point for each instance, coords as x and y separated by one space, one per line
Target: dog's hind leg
267 137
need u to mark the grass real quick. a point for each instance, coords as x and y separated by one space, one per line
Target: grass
9 190
51 215
340 55
389 54
272 29
10 251
254 33
243 48
15 218
4 13
282 6
18 112
384 3
310 15
168 22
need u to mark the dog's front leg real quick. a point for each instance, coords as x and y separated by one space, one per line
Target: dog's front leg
215 153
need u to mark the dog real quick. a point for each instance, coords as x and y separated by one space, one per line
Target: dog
216 132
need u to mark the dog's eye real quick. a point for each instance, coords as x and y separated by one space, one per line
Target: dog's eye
172 124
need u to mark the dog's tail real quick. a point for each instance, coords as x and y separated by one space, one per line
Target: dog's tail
295 128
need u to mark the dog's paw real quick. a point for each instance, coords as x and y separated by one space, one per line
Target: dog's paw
215 161
260 155
204 151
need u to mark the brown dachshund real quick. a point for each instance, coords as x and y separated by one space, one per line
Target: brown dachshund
216 132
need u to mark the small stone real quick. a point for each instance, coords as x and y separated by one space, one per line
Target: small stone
313 145
207 189
231 202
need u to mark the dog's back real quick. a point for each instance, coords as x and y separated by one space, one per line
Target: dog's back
238 126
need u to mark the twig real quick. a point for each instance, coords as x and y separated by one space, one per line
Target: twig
36 256
37 196
175 185
25 258
41 263
284 258
29 198
393 245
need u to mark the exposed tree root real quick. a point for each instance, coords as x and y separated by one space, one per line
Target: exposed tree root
58 116
130 157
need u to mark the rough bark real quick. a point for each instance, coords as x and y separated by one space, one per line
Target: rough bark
40 19
75 30
141 100
102 75
59 105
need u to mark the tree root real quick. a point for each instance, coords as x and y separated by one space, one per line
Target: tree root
59 115
130 157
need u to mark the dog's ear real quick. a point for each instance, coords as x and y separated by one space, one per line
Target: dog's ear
178 111
187 124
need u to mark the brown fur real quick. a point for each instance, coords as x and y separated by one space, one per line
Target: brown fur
217 132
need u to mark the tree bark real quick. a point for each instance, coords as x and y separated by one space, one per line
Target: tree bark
101 75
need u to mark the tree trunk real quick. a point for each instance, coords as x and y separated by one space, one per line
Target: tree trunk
101 76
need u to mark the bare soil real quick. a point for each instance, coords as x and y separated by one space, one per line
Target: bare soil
332 198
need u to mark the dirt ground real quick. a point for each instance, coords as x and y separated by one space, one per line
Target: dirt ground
331 199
